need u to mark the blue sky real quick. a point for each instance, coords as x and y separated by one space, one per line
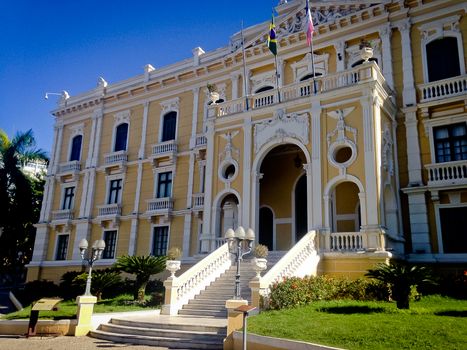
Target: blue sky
50 46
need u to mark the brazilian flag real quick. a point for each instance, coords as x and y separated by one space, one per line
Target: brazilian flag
272 41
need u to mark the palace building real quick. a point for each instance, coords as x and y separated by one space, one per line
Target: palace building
364 143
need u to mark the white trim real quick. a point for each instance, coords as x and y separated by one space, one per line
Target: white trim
438 222
64 186
293 239
119 119
436 30
116 229
274 222
151 240
217 208
76 131
167 106
110 178
157 172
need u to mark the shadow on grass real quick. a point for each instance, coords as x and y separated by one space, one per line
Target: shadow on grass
452 313
352 310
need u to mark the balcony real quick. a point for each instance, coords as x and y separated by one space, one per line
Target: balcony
361 74
160 207
109 210
198 202
447 174
442 89
346 241
69 168
164 151
116 159
62 215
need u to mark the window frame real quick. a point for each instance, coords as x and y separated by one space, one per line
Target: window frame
65 196
110 190
107 246
450 139
430 124
71 148
439 206
116 136
57 250
153 239
158 184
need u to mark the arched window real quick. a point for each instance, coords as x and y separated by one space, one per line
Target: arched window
442 59
309 76
362 61
264 88
169 126
121 136
75 153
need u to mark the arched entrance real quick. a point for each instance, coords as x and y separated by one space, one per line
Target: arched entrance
282 206
345 211
228 214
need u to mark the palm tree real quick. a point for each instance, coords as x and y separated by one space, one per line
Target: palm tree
143 267
19 206
401 277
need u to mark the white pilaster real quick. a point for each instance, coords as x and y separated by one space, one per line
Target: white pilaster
186 235
83 230
408 92
309 197
58 147
194 118
419 226
385 33
254 206
340 54
414 163
317 213
207 229
234 79
141 152
133 236
40 244
280 71
247 148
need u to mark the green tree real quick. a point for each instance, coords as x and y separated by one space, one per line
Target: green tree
143 267
401 277
20 200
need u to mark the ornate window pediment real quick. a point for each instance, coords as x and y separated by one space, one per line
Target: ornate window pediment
259 81
304 66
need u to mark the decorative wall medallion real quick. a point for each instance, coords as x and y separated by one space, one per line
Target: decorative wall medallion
342 141
228 160
281 126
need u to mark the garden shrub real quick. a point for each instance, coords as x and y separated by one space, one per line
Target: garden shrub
294 291
36 290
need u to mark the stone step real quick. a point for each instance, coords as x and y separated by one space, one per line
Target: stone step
162 333
190 327
169 342
209 313
191 306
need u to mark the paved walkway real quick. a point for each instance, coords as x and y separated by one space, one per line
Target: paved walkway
65 343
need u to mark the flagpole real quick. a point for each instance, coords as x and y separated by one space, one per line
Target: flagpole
277 80
245 87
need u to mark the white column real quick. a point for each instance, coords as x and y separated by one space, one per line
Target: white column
234 78
83 230
316 166
385 33
207 229
247 135
194 118
309 197
142 147
371 187
408 92
186 235
40 244
133 236
58 147
414 163
254 223
189 203
340 55
280 71
419 225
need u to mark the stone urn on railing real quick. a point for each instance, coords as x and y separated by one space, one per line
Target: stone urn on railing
213 93
173 260
259 262
366 50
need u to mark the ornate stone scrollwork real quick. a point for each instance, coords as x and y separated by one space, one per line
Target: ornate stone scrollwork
280 127
387 150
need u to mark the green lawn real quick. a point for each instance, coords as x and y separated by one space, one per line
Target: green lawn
432 323
67 309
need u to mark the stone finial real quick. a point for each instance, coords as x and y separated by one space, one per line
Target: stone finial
197 52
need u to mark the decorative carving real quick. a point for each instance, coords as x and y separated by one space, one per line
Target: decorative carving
387 150
341 128
435 29
261 80
230 152
282 126
352 53
77 129
170 105
122 117
305 66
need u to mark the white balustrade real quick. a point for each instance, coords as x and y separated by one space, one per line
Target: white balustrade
179 290
116 157
301 260
201 140
64 214
164 147
219 241
198 200
230 107
72 166
440 89
449 173
346 241
160 204
264 99
109 209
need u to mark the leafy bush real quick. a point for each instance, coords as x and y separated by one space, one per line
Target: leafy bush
294 291
36 290
69 289
102 281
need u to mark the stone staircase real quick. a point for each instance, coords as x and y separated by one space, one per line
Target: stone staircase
200 324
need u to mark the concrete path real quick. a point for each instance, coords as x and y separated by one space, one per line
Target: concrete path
65 343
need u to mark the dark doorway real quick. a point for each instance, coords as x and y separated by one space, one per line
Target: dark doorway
442 56
266 227
300 209
453 224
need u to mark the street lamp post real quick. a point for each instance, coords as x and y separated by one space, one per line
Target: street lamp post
240 244
97 248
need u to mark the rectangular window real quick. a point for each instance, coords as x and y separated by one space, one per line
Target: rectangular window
450 142
159 242
115 191
68 198
164 185
62 247
454 238
110 239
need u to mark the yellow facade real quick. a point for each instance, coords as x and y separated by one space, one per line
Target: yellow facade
163 163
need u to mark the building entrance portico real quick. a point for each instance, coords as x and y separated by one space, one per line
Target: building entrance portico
281 197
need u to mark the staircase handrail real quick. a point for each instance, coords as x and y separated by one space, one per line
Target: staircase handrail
179 290
301 260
